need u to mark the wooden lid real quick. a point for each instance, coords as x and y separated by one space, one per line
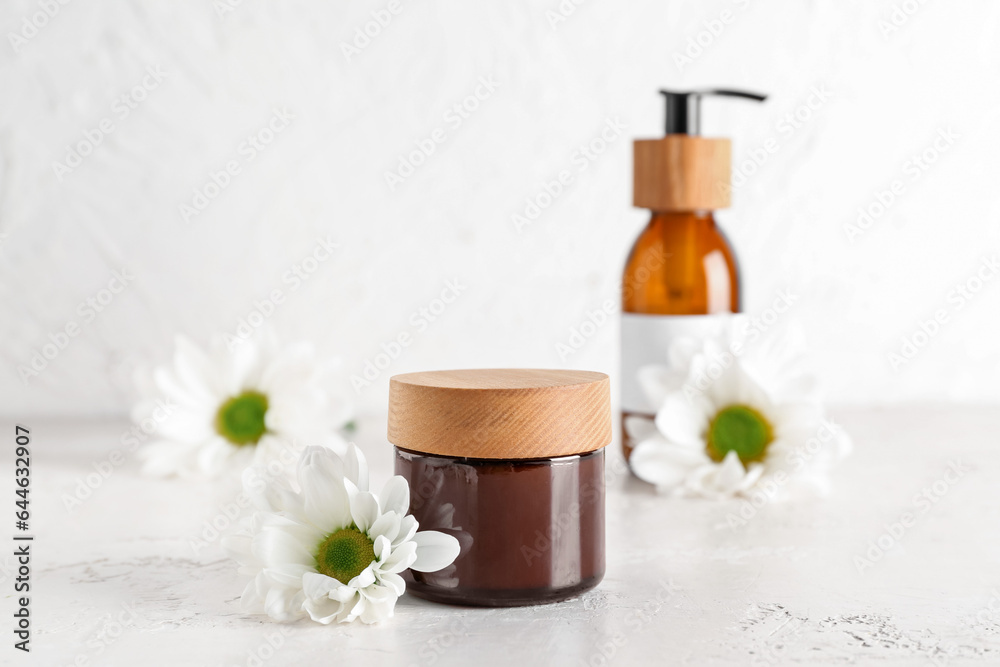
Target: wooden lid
681 173
500 413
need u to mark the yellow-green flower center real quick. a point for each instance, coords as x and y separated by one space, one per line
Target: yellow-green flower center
344 554
740 429
240 420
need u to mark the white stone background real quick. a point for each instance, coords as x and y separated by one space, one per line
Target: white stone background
324 176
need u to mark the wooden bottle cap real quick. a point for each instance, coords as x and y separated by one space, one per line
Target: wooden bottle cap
681 173
500 413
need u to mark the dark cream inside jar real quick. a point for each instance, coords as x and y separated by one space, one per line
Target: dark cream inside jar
511 463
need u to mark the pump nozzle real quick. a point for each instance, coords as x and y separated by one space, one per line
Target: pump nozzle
684 108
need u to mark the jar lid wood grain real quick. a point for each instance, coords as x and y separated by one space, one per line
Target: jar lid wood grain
500 413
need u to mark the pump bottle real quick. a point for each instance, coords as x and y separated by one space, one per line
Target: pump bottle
681 277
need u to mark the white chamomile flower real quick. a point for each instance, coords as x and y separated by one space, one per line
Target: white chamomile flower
234 406
728 422
332 551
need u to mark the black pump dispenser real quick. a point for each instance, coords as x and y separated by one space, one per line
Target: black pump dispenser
684 108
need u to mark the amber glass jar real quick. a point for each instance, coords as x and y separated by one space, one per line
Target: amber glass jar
511 463
680 278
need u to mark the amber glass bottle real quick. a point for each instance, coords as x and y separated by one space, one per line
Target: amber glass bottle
681 277
680 266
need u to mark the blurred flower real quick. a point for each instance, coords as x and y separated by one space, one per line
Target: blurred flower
253 404
332 551
733 415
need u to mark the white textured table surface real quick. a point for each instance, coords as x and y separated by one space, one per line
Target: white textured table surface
118 582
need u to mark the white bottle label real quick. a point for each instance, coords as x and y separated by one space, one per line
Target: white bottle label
646 341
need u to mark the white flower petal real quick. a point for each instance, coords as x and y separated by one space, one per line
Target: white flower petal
382 547
395 496
683 421
639 428
378 593
731 471
250 601
748 391
435 551
290 417
364 507
401 558
274 545
366 578
345 594
352 609
288 574
754 472
166 381
195 371
322 463
316 585
386 526
407 528
658 381
356 467
796 419
323 610
381 601
718 480
187 425
394 581
326 500
664 464
215 455
266 494
238 546
283 604
241 372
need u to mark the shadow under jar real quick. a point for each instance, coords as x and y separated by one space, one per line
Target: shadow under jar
511 463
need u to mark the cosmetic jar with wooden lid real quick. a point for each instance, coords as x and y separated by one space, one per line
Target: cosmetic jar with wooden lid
511 463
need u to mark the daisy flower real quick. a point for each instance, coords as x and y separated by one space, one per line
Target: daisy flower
732 416
332 550
228 409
